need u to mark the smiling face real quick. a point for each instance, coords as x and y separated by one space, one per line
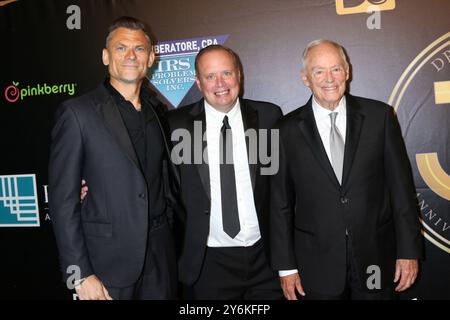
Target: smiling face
218 78
128 56
326 74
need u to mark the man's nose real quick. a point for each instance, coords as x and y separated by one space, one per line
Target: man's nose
329 76
219 81
130 54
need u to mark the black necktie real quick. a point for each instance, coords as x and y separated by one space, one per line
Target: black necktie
230 213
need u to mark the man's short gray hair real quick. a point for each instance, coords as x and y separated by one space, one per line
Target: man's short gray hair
127 23
317 42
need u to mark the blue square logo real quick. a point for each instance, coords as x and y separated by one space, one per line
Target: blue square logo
18 201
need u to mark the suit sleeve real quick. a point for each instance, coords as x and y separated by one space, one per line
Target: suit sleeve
178 212
65 170
402 192
282 254
170 175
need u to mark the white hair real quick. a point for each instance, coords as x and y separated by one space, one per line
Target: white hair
317 42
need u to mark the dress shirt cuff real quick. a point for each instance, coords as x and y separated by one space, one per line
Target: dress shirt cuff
284 273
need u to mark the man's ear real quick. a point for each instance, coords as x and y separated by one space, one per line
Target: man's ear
105 57
151 59
198 83
304 78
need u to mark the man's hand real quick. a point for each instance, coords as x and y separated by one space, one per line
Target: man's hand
84 190
92 289
291 283
406 271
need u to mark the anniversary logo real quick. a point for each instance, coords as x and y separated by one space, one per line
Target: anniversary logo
173 72
421 99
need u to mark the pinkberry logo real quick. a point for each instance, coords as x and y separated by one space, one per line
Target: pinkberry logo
13 93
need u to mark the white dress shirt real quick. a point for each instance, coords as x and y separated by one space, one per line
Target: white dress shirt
323 122
249 233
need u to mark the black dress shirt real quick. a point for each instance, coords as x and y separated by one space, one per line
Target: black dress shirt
146 137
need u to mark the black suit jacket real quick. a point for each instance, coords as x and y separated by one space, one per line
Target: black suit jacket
193 227
310 210
106 235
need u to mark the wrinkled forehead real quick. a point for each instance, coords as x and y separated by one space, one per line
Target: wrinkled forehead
129 36
217 56
325 55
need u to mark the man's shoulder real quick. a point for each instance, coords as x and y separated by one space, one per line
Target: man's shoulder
184 109
84 101
151 98
181 111
367 105
293 116
268 113
263 106
181 116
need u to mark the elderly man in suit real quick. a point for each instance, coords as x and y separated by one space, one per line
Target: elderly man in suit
344 218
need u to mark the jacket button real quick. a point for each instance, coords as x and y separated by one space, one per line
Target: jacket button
142 195
206 211
344 200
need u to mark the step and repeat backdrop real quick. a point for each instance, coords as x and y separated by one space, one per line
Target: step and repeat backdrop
399 52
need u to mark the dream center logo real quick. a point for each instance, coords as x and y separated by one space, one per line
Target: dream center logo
421 99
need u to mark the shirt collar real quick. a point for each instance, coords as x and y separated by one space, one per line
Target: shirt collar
113 91
217 116
121 101
321 112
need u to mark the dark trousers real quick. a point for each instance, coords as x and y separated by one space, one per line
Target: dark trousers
235 273
355 289
158 280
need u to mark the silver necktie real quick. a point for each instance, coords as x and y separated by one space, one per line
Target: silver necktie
336 148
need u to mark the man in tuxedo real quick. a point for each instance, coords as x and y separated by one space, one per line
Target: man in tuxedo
223 233
119 239
344 218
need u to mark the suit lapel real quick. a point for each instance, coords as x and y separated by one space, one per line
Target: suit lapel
115 125
309 130
250 121
354 124
198 114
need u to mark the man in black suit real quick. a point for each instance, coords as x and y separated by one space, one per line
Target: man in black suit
118 239
224 191
344 218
